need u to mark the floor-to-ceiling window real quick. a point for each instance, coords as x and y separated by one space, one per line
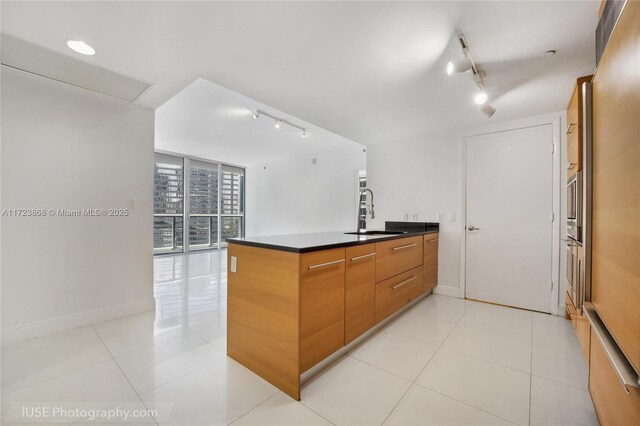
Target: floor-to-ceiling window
197 204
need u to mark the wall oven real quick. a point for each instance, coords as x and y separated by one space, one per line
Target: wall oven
574 207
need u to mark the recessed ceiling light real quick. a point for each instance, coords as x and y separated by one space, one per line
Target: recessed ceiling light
81 47
548 54
480 97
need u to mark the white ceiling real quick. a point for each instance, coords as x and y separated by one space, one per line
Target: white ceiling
369 71
209 121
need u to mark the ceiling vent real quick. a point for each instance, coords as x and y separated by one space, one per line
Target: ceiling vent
37 60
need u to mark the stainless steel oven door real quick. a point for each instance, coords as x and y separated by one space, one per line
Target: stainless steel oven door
574 207
572 271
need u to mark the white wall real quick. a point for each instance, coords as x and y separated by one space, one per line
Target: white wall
65 147
421 177
294 195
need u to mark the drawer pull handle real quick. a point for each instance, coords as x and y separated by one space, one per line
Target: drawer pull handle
353 259
393 287
405 247
571 166
625 372
322 265
432 241
570 127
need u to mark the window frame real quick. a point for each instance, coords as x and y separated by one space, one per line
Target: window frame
220 166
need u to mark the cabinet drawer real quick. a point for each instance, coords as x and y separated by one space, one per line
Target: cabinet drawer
322 292
430 244
613 405
397 256
396 292
583 330
360 289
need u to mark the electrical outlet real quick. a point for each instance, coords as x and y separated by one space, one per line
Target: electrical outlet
440 217
452 217
405 216
132 204
415 216
234 264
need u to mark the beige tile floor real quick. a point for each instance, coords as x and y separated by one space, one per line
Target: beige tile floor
445 362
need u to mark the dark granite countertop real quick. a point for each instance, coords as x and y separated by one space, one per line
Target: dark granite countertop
305 243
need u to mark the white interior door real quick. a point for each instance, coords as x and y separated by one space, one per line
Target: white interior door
509 202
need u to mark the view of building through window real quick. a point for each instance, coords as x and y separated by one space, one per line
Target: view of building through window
206 198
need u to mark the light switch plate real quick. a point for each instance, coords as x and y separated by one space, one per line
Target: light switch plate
440 217
405 216
234 264
452 217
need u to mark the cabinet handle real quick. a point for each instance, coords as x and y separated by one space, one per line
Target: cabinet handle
404 247
353 259
570 127
432 241
322 265
393 287
571 166
624 370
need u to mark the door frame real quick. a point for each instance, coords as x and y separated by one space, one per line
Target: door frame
555 120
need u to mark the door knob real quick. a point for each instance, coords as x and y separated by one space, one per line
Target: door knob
473 228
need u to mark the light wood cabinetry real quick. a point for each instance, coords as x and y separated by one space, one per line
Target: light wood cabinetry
575 128
263 311
613 404
394 293
616 185
289 311
322 293
396 256
430 262
360 290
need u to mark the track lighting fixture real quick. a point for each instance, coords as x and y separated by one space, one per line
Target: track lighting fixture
487 110
279 121
480 97
467 64
458 66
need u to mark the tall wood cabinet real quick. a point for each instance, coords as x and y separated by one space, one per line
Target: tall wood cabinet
615 284
575 128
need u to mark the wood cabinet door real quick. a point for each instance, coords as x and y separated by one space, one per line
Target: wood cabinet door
360 290
397 256
615 289
396 292
430 262
322 291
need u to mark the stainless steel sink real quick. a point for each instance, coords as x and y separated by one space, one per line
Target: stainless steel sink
376 233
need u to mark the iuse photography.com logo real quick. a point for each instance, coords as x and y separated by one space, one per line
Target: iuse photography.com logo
34 413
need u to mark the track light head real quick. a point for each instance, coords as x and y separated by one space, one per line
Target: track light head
487 110
277 124
458 66
256 116
304 133
480 97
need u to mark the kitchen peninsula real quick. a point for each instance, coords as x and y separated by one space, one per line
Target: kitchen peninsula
295 300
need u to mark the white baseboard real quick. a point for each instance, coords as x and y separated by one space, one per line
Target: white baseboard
68 322
447 290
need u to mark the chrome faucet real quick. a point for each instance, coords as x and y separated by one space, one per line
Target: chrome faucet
371 212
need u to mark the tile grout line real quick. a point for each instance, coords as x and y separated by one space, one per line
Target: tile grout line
126 378
425 366
467 404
